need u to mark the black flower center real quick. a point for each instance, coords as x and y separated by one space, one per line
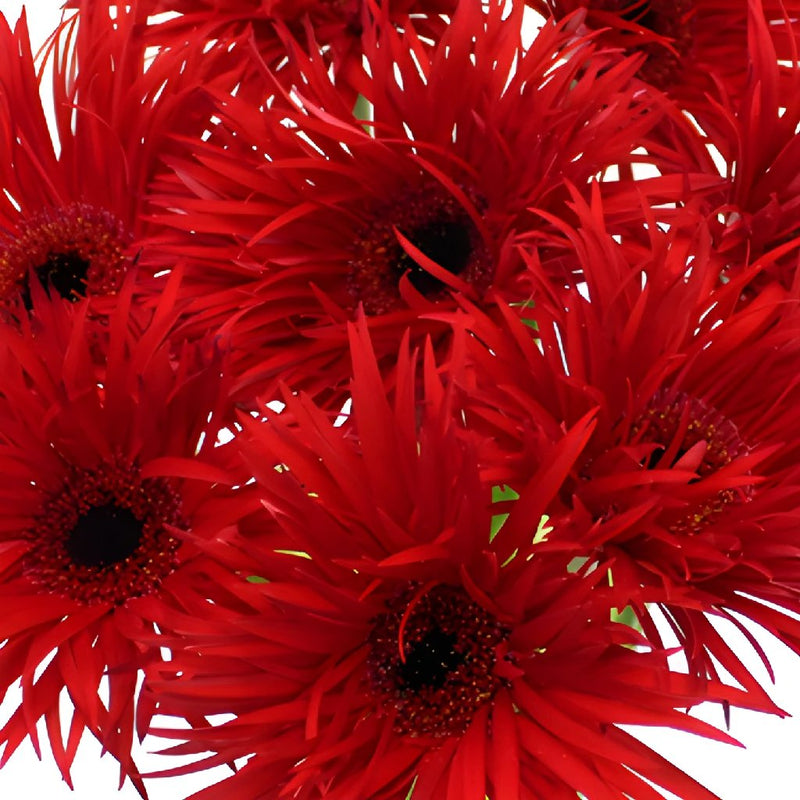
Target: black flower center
104 535
638 11
440 227
429 661
447 243
449 647
66 273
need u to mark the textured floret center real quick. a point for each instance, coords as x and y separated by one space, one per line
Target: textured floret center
72 251
104 537
676 424
437 225
432 658
445 241
684 426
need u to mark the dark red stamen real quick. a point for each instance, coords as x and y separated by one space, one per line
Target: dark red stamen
74 251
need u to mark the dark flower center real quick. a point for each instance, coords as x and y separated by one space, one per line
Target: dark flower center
104 535
439 227
74 251
638 11
65 272
446 670
429 661
447 242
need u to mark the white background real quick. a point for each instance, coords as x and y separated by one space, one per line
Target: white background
767 769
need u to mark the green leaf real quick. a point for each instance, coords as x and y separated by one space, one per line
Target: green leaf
298 553
576 563
504 492
529 321
627 616
362 110
499 494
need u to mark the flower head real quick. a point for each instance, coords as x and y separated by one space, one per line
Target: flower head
105 460
394 647
689 480
688 44
316 213
73 206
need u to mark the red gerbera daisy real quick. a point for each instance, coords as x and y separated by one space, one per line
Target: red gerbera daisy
424 202
739 171
689 44
690 477
395 649
72 210
103 464
758 209
332 28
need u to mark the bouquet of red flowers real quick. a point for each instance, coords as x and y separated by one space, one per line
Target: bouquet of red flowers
397 395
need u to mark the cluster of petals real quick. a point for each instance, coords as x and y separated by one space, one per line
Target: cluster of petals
397 404
107 455
298 203
363 558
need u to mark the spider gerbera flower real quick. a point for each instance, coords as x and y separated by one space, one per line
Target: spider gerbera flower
758 210
395 649
103 464
690 477
688 44
332 27
72 209
425 202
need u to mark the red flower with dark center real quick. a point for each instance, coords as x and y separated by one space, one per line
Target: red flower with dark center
689 44
394 647
690 476
72 214
104 464
444 672
426 201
